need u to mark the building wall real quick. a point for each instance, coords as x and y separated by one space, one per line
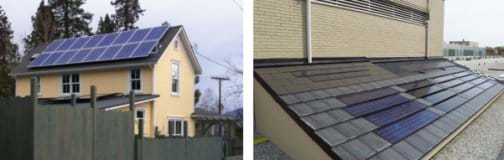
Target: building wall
168 105
279 31
459 50
273 122
106 81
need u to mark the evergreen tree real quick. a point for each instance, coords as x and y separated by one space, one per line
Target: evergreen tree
44 27
72 20
127 13
9 56
106 25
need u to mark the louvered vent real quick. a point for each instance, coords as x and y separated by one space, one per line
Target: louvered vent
382 8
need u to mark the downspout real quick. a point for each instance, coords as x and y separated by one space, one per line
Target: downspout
427 30
308 32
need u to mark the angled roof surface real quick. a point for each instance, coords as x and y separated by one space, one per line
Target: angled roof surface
22 69
378 109
101 103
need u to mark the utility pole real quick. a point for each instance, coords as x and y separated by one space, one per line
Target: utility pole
220 79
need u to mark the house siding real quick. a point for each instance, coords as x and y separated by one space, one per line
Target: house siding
279 31
106 81
168 105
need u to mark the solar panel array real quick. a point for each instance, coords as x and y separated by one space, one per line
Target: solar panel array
104 47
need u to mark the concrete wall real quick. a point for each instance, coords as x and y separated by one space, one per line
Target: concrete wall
273 122
279 31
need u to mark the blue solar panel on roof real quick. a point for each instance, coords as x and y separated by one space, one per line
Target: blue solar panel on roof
376 105
66 44
94 54
93 42
126 51
143 49
123 37
52 58
110 53
66 57
403 128
79 56
109 38
40 58
53 46
156 33
388 116
440 96
80 43
122 45
139 35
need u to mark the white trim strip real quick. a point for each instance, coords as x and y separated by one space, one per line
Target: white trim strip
126 105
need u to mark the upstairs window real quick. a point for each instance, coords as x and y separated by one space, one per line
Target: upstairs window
135 80
175 87
70 83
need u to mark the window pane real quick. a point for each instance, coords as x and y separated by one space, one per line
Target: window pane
75 88
175 85
66 78
140 114
171 126
66 88
178 129
75 78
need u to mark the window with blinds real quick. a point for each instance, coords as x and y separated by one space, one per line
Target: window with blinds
382 8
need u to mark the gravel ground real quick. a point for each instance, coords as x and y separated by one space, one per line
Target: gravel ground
484 137
268 151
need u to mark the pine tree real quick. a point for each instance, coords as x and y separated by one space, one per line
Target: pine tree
44 27
72 20
127 13
9 56
106 25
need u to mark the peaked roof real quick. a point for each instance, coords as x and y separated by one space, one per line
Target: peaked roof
22 69
378 109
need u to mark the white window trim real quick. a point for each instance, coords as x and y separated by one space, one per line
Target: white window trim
179 81
175 119
70 83
141 110
141 81
39 85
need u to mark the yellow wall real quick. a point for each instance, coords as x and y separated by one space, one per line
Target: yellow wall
168 105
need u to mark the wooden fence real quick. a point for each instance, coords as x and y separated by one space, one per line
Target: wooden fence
32 132
181 148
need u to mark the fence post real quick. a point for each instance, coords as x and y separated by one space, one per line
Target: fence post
132 110
185 140
73 100
34 91
93 106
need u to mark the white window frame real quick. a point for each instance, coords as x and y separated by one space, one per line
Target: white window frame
38 85
70 84
130 80
175 120
178 78
139 110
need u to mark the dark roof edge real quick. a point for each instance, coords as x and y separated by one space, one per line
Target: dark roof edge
137 101
297 120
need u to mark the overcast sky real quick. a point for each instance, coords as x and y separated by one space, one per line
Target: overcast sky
216 26
475 20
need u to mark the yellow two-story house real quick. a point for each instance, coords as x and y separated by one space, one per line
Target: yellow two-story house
158 64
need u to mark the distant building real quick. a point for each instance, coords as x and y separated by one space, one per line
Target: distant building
458 50
465 43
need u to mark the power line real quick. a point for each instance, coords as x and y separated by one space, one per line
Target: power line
238 5
214 61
